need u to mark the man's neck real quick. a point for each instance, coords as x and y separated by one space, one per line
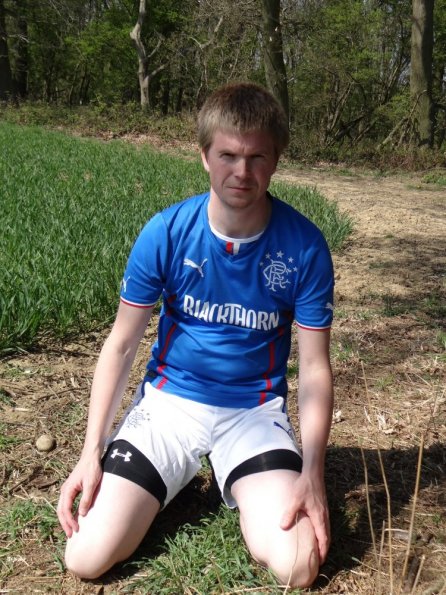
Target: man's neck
239 223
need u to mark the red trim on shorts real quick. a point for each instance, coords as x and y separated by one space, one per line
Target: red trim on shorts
269 384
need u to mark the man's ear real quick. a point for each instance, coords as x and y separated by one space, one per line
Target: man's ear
204 159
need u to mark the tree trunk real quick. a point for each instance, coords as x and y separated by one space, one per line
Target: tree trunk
422 42
6 82
22 62
143 76
275 72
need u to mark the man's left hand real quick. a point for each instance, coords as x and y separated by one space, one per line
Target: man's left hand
309 497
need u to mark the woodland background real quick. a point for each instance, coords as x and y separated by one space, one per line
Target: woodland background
360 79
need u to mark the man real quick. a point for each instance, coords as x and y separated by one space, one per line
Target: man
234 267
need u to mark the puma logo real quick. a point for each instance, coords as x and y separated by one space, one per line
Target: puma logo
194 265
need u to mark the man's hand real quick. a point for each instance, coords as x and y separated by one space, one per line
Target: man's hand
84 478
309 497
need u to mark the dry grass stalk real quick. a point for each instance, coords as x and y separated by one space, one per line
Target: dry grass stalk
389 517
412 518
381 548
417 578
386 487
369 509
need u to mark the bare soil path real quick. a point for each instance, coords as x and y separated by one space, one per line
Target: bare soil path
400 232
389 360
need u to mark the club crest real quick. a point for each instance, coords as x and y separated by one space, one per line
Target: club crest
277 270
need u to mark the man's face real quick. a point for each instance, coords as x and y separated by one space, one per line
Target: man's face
240 167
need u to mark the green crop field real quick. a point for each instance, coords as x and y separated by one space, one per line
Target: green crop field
70 211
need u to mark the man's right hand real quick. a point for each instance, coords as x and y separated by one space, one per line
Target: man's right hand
85 479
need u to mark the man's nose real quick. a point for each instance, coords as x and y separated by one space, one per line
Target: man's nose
242 168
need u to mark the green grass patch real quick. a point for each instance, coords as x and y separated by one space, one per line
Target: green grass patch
335 226
206 558
436 177
7 441
71 210
26 516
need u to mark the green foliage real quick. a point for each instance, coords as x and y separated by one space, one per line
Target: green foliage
347 61
352 55
101 119
72 209
436 177
104 54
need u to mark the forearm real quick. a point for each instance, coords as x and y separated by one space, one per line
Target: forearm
315 413
109 382
111 374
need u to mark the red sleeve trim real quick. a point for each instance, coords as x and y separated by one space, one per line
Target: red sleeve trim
134 305
313 328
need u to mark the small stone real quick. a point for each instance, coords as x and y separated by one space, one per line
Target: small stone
337 416
45 443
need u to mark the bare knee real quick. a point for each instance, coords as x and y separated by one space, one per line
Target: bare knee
296 573
85 563
294 568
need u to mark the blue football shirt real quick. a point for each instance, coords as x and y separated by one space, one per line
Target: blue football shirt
224 331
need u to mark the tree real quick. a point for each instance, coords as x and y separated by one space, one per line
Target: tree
439 72
6 82
422 42
21 62
275 72
143 58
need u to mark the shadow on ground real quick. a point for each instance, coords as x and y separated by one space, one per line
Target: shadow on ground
347 495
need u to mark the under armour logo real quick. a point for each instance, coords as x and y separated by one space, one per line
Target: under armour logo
126 457
194 265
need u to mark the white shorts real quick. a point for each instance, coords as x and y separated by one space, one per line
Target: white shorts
173 433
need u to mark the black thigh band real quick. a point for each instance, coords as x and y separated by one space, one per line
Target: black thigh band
266 461
123 459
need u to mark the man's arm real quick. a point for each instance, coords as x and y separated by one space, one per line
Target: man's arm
109 382
315 413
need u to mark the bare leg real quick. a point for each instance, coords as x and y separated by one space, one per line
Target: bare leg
262 499
113 528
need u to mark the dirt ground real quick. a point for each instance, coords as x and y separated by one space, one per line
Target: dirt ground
389 361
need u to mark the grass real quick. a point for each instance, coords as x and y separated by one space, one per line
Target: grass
432 307
51 388
7 441
335 225
72 209
206 558
26 516
436 177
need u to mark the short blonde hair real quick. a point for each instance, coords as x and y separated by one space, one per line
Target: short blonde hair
240 108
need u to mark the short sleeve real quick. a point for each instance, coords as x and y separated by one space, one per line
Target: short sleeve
145 273
314 301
